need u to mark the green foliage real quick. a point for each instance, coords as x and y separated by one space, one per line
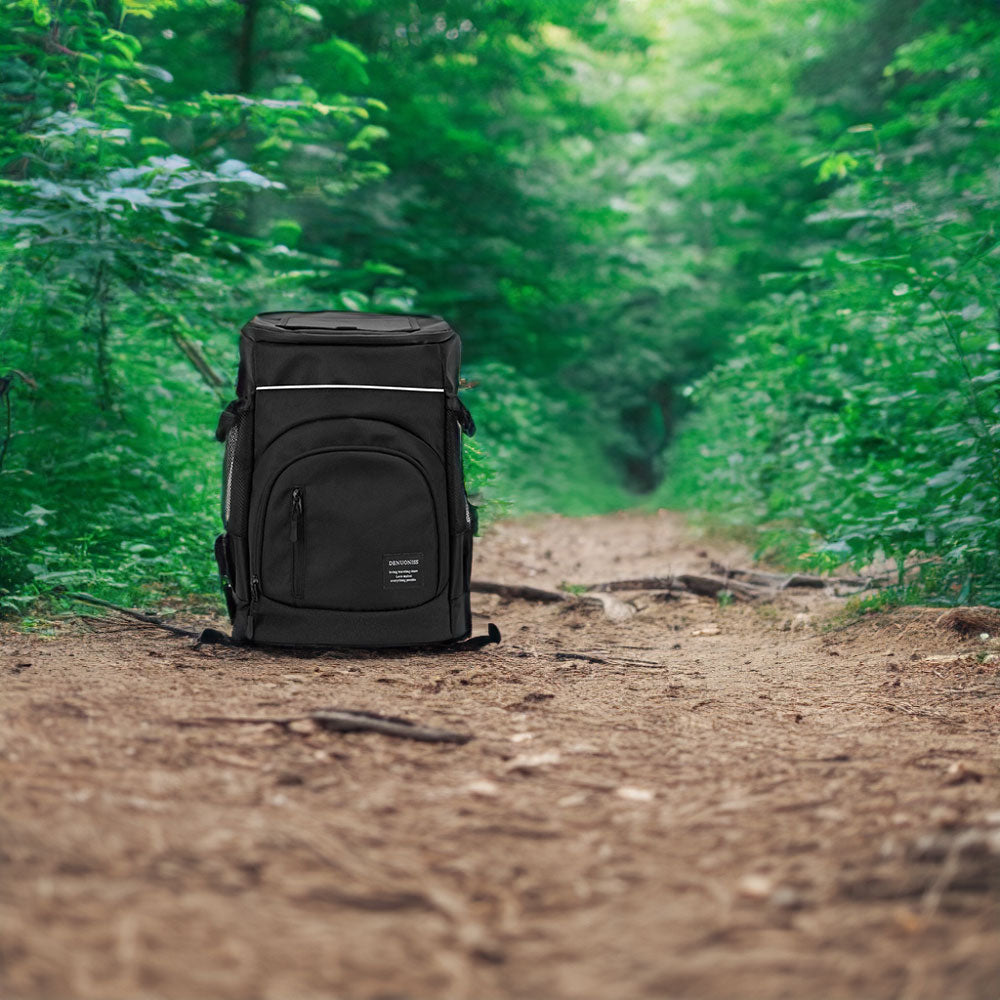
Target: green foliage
541 443
742 260
120 295
170 167
857 414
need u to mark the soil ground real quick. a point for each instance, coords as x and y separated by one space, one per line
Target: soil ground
701 801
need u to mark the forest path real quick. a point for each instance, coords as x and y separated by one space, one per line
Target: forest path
698 802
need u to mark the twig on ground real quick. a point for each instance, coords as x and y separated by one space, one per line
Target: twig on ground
639 583
711 586
515 591
615 609
139 616
783 581
763 578
704 586
607 658
565 654
922 713
342 720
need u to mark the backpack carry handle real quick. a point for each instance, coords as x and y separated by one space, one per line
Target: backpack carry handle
348 323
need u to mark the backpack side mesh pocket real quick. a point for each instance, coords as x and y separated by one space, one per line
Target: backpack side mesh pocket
236 476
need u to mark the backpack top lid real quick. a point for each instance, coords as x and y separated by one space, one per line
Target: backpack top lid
326 326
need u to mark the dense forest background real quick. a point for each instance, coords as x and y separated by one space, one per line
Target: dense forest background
737 257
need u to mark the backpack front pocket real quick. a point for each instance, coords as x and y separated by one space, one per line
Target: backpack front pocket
352 529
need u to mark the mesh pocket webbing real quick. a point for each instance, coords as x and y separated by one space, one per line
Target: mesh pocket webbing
236 478
460 517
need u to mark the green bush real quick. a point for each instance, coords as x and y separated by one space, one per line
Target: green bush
857 417
170 167
544 447
752 255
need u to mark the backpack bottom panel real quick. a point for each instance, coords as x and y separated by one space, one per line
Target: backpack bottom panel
441 620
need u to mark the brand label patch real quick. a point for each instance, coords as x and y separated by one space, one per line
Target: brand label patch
402 569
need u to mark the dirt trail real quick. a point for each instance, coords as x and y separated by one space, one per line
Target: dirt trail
774 810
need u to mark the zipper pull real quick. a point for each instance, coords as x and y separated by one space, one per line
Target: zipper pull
296 521
252 611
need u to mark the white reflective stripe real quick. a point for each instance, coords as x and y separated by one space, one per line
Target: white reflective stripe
394 388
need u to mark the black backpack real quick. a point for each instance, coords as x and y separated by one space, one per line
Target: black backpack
343 498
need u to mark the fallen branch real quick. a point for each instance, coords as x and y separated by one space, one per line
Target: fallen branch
640 583
762 578
343 720
517 591
782 581
712 586
607 658
194 354
565 654
616 610
705 586
139 616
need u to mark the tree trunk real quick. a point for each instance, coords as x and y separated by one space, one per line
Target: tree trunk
102 290
244 52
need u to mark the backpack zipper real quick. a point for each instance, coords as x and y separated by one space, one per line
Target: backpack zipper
252 610
295 536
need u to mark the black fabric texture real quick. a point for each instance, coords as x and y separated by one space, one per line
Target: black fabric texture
225 573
